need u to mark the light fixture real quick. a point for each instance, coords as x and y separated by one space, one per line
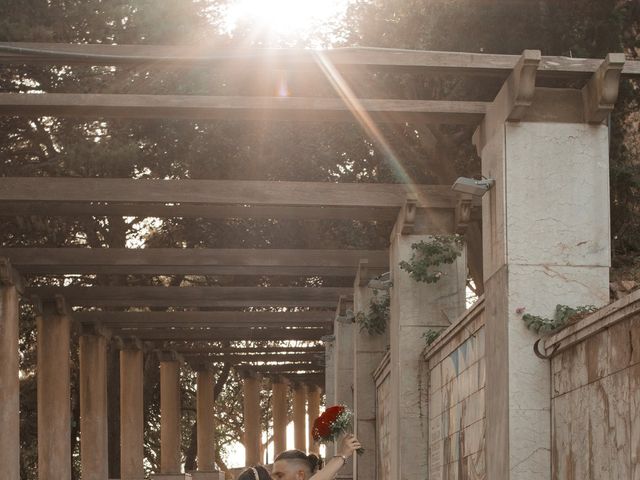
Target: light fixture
471 186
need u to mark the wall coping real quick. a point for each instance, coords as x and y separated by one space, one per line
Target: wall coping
595 323
459 324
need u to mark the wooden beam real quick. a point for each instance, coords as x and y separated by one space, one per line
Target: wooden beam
249 351
218 319
198 261
222 334
230 297
96 105
263 357
283 369
342 58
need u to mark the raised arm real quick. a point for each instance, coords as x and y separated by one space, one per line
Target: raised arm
348 445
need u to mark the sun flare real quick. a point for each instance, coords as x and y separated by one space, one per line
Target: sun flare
284 17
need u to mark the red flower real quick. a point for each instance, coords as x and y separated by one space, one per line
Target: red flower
323 425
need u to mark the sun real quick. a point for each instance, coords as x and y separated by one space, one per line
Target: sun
284 17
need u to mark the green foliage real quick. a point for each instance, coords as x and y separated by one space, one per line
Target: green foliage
374 322
431 335
442 249
563 315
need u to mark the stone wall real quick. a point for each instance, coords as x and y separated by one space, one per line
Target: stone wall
456 399
383 415
595 367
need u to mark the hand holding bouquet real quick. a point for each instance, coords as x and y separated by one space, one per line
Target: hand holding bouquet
334 422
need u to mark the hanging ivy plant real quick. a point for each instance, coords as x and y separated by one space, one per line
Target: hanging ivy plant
428 255
562 316
431 335
374 322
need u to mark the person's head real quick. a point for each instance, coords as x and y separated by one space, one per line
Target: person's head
255 473
295 465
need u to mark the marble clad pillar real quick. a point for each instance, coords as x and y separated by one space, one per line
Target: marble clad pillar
546 242
9 367
313 407
170 413
252 426
280 390
131 410
368 352
54 394
94 449
416 307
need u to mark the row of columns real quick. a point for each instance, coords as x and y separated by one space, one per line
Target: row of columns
53 397
305 401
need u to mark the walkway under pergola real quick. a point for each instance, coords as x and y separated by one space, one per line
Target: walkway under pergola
188 323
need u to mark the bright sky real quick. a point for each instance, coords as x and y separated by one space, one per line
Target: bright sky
287 18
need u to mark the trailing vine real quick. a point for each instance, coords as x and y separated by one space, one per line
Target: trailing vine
441 249
562 316
374 322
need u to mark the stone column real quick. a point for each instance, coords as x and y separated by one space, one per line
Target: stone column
329 342
280 389
9 381
170 413
54 401
415 308
131 411
205 418
94 450
252 430
368 351
546 242
299 417
313 408
343 354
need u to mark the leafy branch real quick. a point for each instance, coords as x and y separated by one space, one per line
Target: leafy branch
375 320
562 316
441 249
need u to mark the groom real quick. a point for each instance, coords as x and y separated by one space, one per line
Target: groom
294 465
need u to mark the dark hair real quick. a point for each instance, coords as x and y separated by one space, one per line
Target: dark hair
312 461
249 473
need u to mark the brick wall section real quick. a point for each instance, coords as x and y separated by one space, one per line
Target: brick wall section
456 396
595 366
383 413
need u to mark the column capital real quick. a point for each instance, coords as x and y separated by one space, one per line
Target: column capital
129 343
9 276
601 91
247 373
56 305
169 356
95 329
200 365
513 99
279 379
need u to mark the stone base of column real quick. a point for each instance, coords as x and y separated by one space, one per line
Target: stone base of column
171 476
215 475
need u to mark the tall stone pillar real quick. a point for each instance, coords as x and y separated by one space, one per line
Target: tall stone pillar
252 430
170 413
131 410
415 308
9 381
546 242
368 351
343 329
205 418
279 389
94 450
299 417
54 396
313 408
329 342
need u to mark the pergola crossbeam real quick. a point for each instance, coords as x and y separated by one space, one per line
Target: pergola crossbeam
229 297
417 61
200 261
296 109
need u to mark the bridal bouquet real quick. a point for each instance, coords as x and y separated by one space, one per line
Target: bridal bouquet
333 422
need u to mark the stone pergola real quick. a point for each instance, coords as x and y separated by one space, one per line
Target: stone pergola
526 122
